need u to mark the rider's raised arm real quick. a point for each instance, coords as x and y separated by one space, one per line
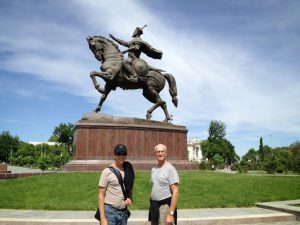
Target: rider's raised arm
121 42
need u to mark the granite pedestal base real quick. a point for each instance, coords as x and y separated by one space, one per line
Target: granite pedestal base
97 134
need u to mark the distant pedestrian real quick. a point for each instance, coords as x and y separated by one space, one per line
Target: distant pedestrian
112 201
164 190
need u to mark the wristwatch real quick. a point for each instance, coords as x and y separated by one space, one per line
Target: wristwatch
171 213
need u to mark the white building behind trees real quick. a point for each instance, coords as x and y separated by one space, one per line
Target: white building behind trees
194 150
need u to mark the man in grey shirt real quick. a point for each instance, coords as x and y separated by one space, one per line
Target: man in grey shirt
165 190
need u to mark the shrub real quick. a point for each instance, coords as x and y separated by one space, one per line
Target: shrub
279 169
43 162
271 166
202 165
243 169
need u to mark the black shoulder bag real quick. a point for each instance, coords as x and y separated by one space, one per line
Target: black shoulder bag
121 182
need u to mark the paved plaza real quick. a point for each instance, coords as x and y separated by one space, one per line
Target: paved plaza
217 216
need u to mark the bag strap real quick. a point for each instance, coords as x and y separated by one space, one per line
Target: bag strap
120 179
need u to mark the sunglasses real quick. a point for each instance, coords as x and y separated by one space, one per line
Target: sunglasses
121 153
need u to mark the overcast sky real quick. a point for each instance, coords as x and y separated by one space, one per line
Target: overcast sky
234 61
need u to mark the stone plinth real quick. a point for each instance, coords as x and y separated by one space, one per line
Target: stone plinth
97 134
3 168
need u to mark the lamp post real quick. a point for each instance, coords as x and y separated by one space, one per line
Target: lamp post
271 146
10 154
42 135
61 161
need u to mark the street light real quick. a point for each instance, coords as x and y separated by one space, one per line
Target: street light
271 146
61 161
10 154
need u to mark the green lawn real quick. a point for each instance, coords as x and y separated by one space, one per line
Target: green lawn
198 189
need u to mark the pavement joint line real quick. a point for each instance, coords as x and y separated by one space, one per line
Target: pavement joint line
46 220
234 217
145 219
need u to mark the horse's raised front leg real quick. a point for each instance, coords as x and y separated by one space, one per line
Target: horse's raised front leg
103 97
93 75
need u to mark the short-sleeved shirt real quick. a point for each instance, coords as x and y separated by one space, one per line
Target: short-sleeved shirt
161 180
113 195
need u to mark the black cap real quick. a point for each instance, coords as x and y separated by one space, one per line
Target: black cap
120 149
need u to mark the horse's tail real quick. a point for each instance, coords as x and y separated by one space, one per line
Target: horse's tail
172 87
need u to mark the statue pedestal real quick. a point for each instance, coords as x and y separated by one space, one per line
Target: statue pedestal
97 134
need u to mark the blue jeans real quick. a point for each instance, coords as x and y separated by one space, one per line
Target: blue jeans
115 216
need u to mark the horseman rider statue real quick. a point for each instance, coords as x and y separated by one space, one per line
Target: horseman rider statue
135 67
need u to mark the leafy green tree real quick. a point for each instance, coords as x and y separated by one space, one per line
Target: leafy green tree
26 155
218 161
65 134
295 149
216 130
43 162
252 158
261 145
44 149
296 164
271 165
217 144
26 149
211 148
8 145
261 149
53 138
267 152
251 155
228 152
284 157
243 167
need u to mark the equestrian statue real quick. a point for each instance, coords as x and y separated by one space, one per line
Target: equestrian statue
132 73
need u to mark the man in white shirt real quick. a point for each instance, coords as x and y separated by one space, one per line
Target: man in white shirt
165 190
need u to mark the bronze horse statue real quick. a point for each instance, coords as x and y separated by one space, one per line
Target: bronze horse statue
108 53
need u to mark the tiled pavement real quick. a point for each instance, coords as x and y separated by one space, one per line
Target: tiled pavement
217 216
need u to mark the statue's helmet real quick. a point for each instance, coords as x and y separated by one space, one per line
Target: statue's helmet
137 32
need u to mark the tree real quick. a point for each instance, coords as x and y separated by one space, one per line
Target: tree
53 138
217 144
65 134
295 149
252 158
261 149
43 162
216 130
218 161
228 152
26 155
261 145
8 145
270 166
296 164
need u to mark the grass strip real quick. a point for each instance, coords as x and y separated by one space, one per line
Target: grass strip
198 189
